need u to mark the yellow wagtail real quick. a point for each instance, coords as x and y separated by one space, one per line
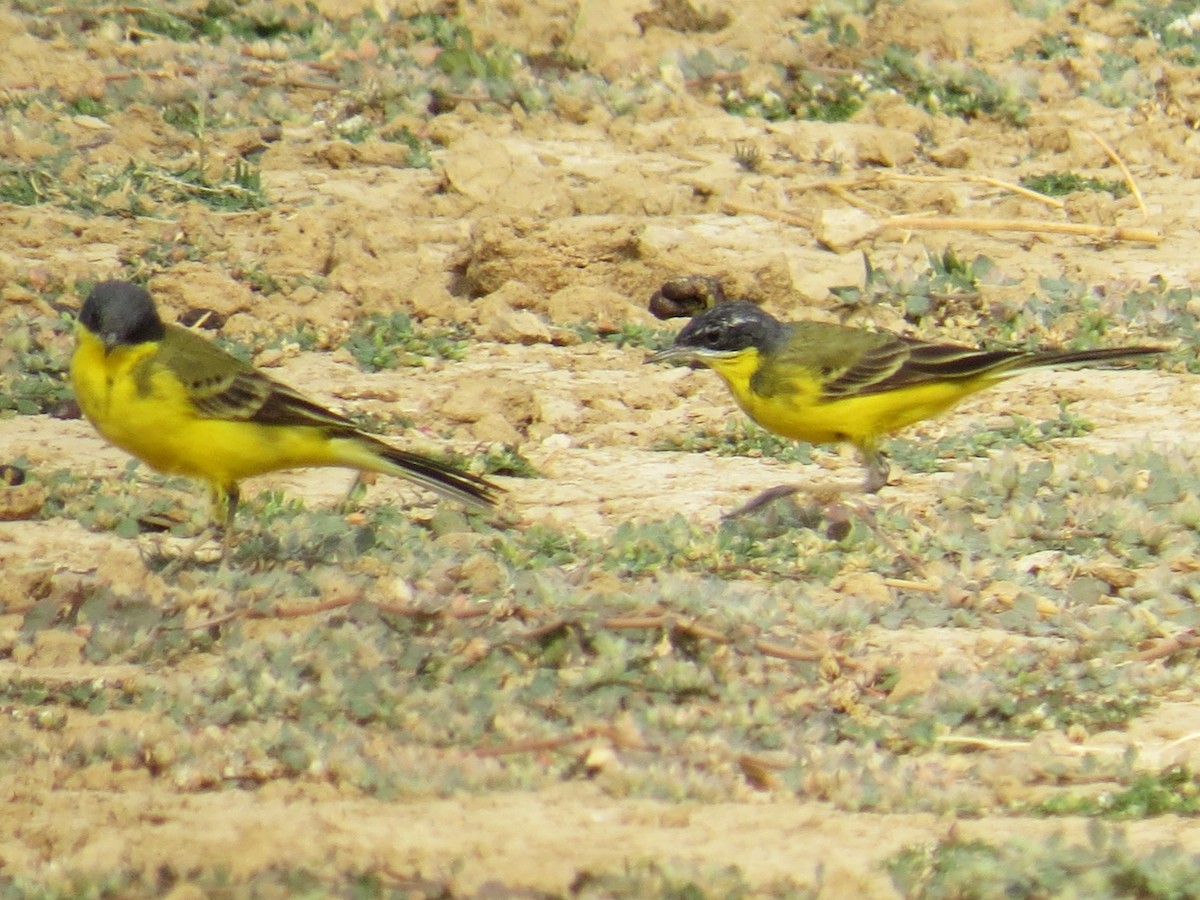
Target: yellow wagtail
826 383
186 407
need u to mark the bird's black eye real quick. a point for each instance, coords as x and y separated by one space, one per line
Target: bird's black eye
710 336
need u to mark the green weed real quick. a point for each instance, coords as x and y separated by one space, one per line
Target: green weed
1171 792
1104 867
1058 184
387 341
33 367
739 437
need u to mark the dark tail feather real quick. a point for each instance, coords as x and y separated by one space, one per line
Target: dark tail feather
443 478
1078 357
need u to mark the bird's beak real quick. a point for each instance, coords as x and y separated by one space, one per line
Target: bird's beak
695 356
683 354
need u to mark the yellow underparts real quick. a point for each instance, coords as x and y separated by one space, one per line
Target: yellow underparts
145 410
796 409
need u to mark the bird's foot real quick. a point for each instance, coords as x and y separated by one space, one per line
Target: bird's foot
878 470
209 546
766 498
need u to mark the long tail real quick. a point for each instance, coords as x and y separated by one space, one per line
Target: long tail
932 361
1076 357
365 452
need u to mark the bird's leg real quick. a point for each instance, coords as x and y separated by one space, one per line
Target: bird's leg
225 503
223 500
877 468
770 495
353 493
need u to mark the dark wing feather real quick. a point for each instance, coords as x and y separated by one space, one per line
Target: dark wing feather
850 362
927 363
870 372
900 362
221 386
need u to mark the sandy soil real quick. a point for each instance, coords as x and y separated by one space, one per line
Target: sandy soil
526 225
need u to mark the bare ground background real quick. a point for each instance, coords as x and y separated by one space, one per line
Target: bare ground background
532 223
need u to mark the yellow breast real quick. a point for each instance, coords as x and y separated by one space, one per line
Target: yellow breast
795 408
141 406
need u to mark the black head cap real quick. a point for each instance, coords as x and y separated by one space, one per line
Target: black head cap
120 312
730 327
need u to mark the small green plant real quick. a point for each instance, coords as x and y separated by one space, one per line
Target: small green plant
1120 84
33 367
494 69
508 460
387 341
748 156
1057 184
950 89
418 150
739 437
24 184
834 19
1172 25
1105 868
625 334
945 287
1173 791
218 19
926 456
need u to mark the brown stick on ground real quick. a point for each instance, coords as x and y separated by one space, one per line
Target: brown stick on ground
950 223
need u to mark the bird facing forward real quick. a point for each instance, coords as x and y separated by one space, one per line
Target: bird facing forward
186 407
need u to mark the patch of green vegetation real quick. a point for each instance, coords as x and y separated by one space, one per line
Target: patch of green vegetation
953 89
830 99
494 69
1029 694
957 89
946 287
1174 25
1156 313
187 115
118 507
387 341
834 19
510 461
665 623
219 19
1172 792
162 254
739 437
1054 46
625 334
1058 184
84 105
28 184
135 189
380 422
685 881
259 279
33 366
1105 867
27 692
1120 84
926 456
651 880
418 150
302 335
1039 9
